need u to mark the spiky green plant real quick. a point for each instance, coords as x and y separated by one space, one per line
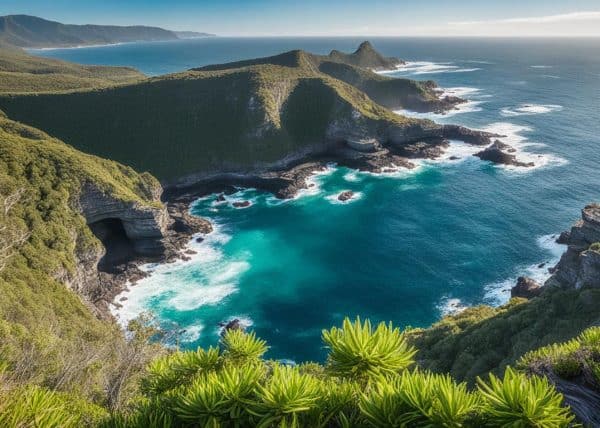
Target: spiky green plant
220 398
238 386
519 401
177 369
357 351
338 404
382 406
453 404
203 403
242 347
590 337
147 414
419 399
37 407
287 398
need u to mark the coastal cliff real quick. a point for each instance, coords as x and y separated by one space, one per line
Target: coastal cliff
580 264
242 119
86 222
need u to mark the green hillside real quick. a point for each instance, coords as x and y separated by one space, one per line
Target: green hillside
202 121
232 117
356 69
48 335
24 73
31 31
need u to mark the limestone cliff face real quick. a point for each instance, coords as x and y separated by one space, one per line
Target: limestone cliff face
143 225
580 264
126 230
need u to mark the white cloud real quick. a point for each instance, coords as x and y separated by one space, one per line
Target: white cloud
573 24
565 17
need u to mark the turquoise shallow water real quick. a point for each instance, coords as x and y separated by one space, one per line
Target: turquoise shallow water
412 246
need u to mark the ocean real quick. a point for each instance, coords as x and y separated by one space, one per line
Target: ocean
411 246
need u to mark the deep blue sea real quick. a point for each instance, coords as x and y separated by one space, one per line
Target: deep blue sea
411 246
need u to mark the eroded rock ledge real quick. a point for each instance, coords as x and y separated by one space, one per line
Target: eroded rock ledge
130 234
579 266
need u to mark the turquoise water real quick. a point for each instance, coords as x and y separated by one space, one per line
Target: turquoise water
411 246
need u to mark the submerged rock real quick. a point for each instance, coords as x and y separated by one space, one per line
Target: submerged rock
242 204
526 287
345 196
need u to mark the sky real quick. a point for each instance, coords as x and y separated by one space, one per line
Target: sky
493 18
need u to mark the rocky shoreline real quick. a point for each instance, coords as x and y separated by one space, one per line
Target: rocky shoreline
178 226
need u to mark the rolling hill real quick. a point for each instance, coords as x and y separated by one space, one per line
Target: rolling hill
33 32
21 73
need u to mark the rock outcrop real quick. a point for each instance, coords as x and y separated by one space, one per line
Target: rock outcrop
501 153
144 226
580 264
526 288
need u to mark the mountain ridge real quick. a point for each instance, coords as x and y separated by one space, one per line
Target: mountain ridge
28 31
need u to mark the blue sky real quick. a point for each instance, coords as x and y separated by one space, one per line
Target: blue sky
331 17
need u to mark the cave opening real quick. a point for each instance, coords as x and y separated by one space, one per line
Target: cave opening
119 247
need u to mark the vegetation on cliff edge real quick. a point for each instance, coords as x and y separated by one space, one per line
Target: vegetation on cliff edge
48 335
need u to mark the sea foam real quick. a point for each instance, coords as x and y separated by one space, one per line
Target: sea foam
498 293
515 138
427 67
205 279
530 109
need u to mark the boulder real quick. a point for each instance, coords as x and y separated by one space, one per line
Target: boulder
526 287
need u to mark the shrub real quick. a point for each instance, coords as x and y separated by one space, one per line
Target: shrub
595 246
419 399
359 352
177 369
38 407
243 347
520 401
287 398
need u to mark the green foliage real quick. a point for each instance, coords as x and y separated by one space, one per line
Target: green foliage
287 398
37 407
177 369
519 401
48 335
483 339
23 73
595 246
419 399
242 347
357 351
208 388
580 355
